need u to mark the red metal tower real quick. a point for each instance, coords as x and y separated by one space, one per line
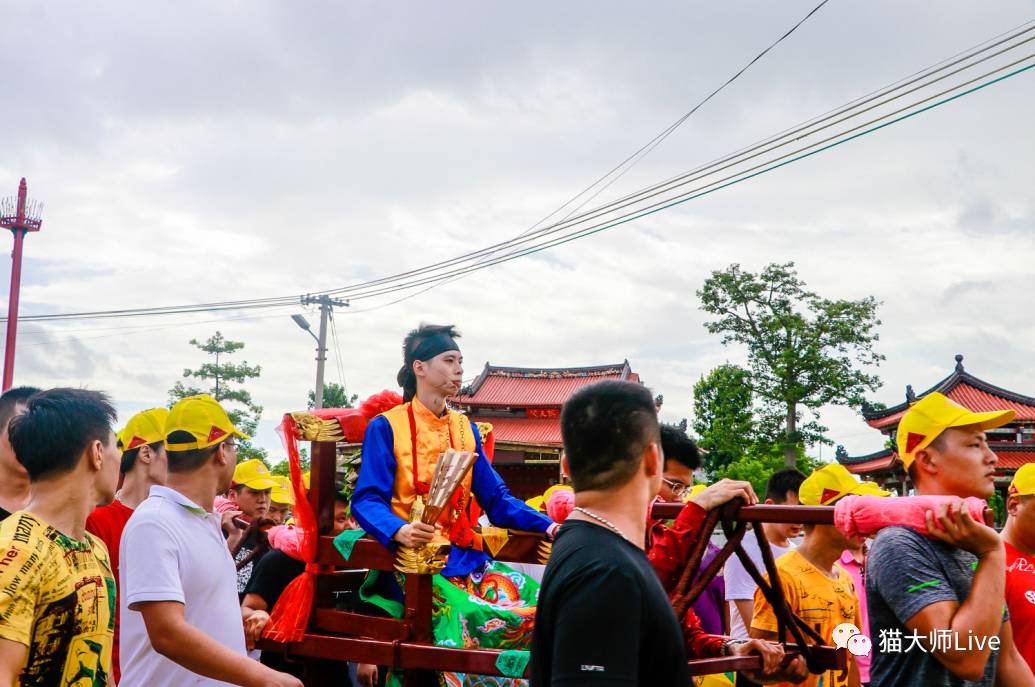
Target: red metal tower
20 216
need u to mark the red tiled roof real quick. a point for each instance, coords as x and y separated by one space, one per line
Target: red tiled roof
1012 460
967 390
513 387
970 397
525 430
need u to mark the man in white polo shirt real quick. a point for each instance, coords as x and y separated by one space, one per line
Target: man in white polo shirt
181 621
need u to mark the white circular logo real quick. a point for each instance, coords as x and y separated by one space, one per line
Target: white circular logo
859 645
1030 596
842 633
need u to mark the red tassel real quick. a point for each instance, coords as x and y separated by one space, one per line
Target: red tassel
290 616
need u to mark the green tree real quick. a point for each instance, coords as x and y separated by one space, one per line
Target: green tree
762 460
723 419
283 468
223 381
804 351
334 396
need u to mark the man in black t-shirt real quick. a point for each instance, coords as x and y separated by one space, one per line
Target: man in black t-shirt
603 616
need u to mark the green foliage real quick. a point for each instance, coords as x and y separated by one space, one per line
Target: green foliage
283 469
224 381
723 419
998 505
761 461
334 396
804 351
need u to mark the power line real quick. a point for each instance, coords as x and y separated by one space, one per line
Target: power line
718 185
627 164
795 134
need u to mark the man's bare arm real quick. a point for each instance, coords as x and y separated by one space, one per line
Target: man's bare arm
1012 669
179 641
13 656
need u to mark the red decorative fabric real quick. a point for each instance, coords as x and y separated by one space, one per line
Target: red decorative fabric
474 511
290 615
668 550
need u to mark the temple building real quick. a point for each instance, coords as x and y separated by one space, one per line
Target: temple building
1014 443
524 407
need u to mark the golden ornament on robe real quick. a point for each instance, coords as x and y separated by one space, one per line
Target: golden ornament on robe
450 470
495 539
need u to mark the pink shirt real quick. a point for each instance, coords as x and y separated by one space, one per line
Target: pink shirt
858 573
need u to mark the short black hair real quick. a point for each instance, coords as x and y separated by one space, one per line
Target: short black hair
679 447
783 482
11 399
606 427
57 426
191 459
129 458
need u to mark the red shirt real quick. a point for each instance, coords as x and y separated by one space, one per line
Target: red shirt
1020 598
107 522
668 549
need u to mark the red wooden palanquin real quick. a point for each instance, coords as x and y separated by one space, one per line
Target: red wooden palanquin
335 636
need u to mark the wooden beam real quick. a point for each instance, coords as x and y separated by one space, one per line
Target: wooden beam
424 656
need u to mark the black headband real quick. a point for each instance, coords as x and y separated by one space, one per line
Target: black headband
434 345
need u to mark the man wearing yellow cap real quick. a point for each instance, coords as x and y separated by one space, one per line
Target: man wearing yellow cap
250 492
1019 540
143 465
281 500
816 589
182 623
948 588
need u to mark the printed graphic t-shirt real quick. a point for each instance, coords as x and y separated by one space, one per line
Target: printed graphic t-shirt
820 601
1020 599
57 597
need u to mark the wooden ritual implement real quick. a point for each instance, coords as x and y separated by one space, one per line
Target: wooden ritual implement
337 632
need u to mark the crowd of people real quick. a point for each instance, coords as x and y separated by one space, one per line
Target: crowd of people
144 557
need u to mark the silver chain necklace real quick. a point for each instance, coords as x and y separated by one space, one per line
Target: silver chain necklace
603 521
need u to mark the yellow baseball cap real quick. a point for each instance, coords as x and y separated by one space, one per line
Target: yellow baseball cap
932 415
830 482
693 491
1023 483
536 502
146 427
203 418
254 475
282 493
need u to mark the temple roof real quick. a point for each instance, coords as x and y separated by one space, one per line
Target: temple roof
522 387
531 431
1011 457
964 388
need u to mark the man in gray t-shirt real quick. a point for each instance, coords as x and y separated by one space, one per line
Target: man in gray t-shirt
906 573
936 600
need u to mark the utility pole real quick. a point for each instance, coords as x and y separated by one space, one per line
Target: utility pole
325 303
21 217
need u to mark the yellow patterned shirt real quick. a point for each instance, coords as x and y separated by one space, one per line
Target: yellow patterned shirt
57 597
817 599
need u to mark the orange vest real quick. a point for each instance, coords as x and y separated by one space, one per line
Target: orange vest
433 438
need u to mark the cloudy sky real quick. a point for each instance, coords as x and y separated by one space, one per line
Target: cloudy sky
197 152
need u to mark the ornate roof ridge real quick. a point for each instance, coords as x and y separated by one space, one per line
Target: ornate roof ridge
623 369
958 376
